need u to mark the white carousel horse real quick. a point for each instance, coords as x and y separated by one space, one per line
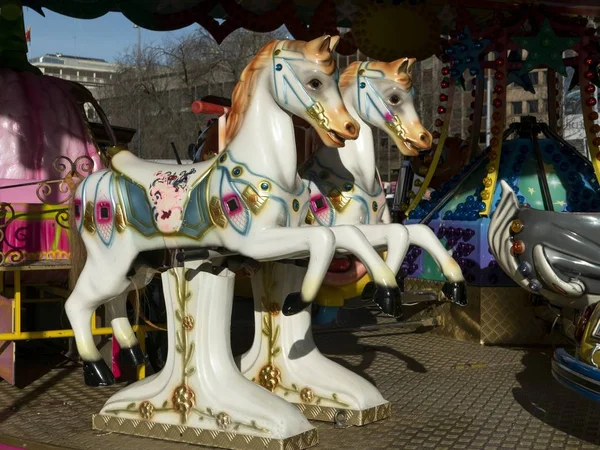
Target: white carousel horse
345 189
249 200
348 185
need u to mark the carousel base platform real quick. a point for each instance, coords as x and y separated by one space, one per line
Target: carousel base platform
446 394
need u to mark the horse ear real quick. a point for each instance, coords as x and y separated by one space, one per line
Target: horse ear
335 40
318 46
402 66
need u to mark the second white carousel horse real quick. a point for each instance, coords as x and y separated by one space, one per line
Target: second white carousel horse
345 189
348 185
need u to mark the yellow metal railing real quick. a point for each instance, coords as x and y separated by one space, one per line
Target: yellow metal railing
18 301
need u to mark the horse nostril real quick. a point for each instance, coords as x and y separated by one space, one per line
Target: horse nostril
350 128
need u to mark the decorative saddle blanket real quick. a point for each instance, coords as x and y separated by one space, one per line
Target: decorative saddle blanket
168 206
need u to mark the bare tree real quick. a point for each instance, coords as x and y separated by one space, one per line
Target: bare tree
156 85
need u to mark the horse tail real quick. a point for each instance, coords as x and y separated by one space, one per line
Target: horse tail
77 248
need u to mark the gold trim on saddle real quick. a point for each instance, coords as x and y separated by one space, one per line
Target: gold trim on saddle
120 222
253 200
88 217
217 216
310 217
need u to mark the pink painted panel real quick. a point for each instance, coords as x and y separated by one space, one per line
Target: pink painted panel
7 349
9 447
39 239
20 194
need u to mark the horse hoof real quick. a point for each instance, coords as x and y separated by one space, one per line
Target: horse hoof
389 301
293 304
132 357
456 292
368 292
97 373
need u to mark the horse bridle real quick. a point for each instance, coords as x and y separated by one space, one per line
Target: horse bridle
285 79
367 95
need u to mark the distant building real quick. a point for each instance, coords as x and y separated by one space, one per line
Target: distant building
90 72
93 73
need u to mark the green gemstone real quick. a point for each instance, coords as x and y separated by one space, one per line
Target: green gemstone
296 205
375 206
264 186
237 171
348 186
223 157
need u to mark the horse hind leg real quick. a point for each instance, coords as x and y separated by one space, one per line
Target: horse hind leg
130 353
96 285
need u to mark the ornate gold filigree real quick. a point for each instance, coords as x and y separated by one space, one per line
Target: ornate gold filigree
317 113
120 222
253 200
70 173
146 409
269 377
307 395
188 323
183 399
338 200
88 218
217 216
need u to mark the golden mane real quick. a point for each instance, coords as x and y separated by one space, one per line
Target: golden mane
403 78
349 75
240 100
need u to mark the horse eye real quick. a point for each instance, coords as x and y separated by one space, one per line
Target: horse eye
394 99
315 84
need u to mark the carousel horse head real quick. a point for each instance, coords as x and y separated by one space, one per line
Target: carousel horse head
303 82
382 95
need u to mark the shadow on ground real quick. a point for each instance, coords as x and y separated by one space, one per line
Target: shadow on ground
547 400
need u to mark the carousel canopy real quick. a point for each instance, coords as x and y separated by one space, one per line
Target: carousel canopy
415 25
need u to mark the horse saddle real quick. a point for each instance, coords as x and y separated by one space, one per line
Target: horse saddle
145 172
164 198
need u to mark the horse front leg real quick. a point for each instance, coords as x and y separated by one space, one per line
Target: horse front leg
455 288
394 237
281 243
387 295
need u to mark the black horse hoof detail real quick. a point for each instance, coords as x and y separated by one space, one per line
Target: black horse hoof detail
97 373
294 304
456 292
132 357
368 292
389 300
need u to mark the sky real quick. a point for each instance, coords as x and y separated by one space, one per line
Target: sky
105 37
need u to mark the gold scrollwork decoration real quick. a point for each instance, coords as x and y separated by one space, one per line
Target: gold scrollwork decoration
61 190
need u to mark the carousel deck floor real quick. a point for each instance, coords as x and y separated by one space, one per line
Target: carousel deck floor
446 395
